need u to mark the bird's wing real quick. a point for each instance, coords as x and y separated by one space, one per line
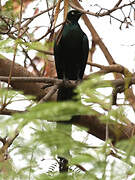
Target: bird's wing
85 49
58 60
59 35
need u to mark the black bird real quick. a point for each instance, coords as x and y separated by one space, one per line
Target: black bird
71 53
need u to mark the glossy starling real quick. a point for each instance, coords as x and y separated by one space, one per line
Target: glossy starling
71 53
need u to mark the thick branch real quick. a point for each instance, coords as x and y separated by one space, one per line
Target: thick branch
53 81
19 71
98 129
104 70
107 11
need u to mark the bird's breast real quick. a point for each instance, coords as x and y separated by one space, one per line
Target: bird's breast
72 37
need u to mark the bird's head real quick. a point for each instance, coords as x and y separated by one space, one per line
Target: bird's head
74 15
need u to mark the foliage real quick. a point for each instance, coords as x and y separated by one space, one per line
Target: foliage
45 130
47 137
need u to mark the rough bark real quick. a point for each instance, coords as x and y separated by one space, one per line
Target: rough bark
98 129
32 88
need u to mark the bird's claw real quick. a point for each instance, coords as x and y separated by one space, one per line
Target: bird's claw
78 81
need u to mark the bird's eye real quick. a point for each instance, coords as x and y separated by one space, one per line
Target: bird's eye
72 13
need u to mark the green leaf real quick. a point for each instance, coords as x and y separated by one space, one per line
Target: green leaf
6 45
52 111
127 147
90 88
60 137
82 158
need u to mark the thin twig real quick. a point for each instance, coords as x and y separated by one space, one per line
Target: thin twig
14 56
49 31
15 49
30 19
49 94
108 12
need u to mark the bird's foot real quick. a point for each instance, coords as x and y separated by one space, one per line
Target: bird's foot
66 82
78 81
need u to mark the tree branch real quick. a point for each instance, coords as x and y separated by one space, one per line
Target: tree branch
34 88
107 12
98 129
94 126
53 81
9 111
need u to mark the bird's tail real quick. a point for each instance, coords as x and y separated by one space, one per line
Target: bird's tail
65 93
